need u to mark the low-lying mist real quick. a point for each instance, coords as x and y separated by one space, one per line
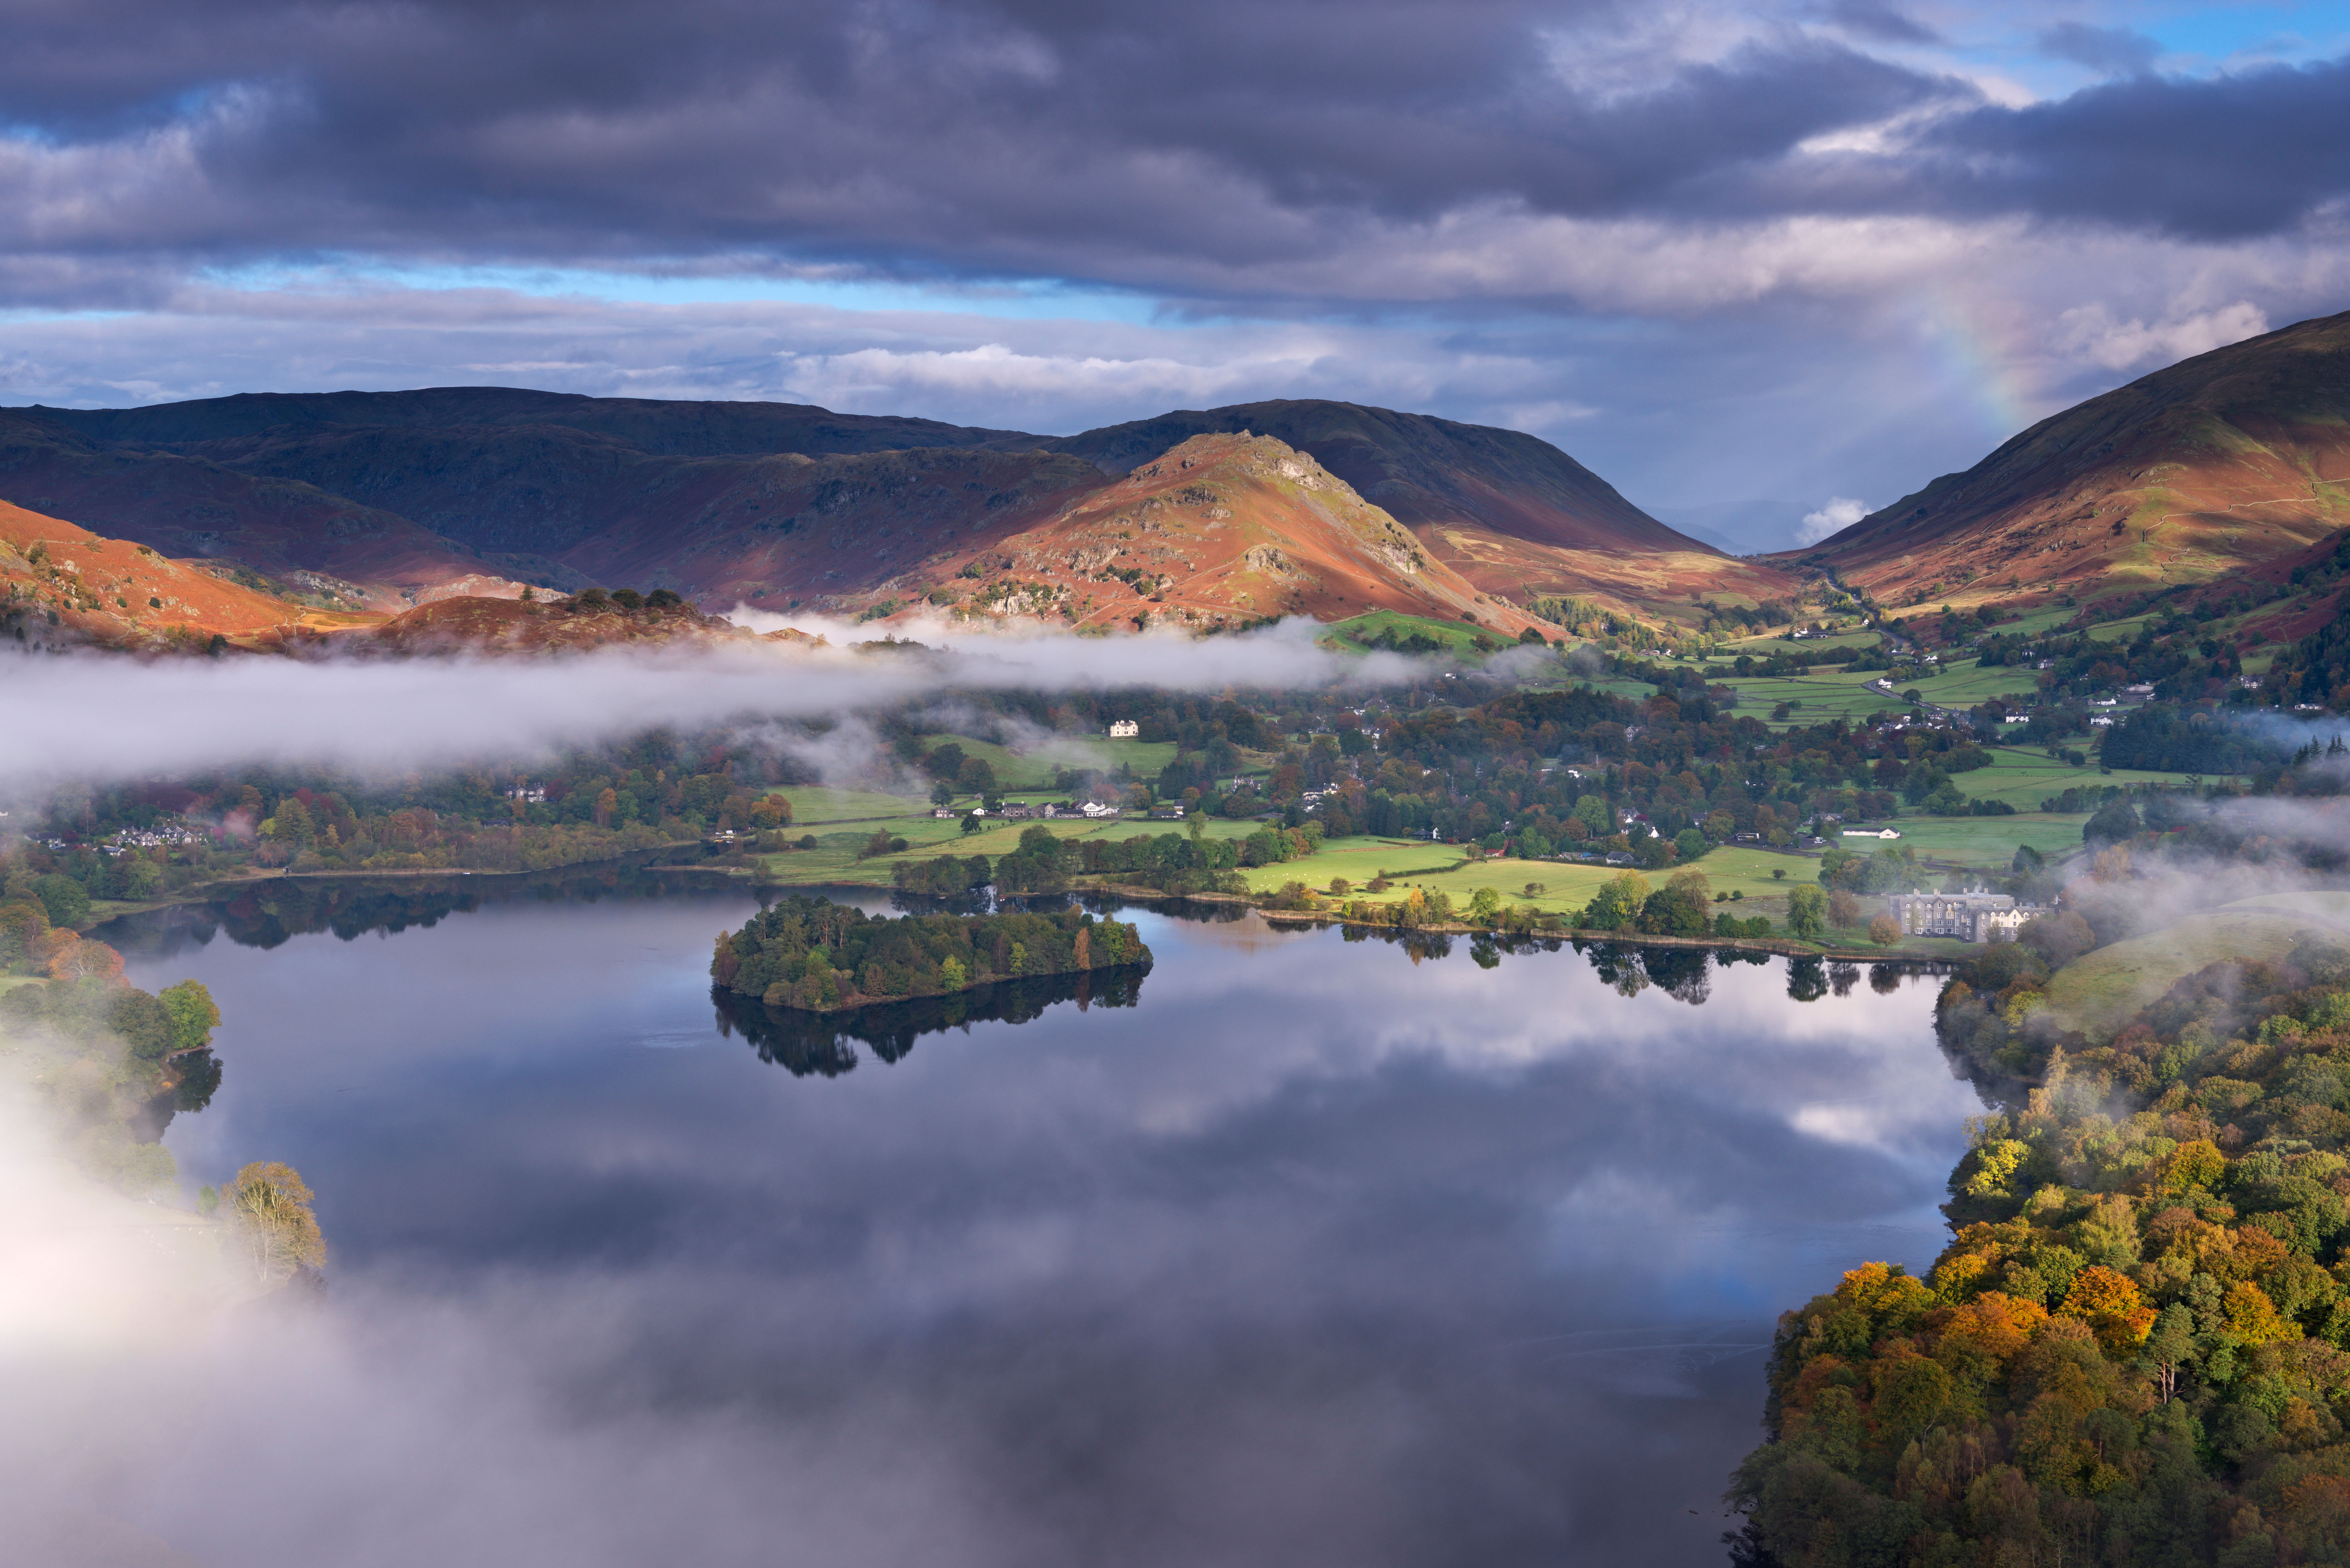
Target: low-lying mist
81 717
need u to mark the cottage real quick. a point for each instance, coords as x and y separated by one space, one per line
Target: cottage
1872 833
942 811
1976 917
1124 729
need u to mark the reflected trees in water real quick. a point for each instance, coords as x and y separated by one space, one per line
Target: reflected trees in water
824 1045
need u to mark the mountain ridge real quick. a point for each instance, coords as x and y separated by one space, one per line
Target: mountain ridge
387 497
2220 462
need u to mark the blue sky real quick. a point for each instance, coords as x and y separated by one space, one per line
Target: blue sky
1741 259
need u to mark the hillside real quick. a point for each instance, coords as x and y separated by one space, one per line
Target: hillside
63 587
1220 529
328 548
384 500
2220 464
1511 513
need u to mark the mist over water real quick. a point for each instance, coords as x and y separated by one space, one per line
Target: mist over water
1316 1254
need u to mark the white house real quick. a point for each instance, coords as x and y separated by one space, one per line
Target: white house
1124 729
1872 833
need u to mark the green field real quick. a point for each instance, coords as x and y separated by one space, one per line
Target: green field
1965 683
1357 631
1566 886
1825 693
2098 993
812 805
1985 842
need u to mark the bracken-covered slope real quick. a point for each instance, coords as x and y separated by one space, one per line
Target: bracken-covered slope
1222 528
2217 464
63 587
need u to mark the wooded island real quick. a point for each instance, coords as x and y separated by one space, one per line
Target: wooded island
822 957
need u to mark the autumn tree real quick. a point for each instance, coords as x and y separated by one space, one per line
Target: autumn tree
269 1209
1885 930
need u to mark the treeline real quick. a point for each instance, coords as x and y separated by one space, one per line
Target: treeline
2165 740
583 806
817 956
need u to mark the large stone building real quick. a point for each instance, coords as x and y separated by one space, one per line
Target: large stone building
1968 917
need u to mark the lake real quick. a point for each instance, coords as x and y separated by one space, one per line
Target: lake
1316 1251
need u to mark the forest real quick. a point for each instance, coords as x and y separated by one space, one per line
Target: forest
2135 1347
817 956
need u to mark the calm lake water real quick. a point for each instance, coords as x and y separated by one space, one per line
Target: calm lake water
1320 1252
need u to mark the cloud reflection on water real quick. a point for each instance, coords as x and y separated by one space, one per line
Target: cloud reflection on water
1318 1255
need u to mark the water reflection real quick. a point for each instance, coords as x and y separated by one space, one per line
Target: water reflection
823 1044
1325 1248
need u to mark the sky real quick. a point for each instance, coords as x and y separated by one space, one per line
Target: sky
1760 265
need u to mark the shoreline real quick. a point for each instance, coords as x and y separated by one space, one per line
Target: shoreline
1784 947
200 892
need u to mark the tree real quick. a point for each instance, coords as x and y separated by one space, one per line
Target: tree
1689 844
65 900
293 824
2171 1342
1617 904
973 822
269 1208
772 812
1807 912
1483 904
876 844
1677 909
142 1022
1885 930
1844 909
975 777
2112 822
942 793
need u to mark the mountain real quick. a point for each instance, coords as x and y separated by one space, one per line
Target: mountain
389 499
1511 513
682 429
1220 529
2217 464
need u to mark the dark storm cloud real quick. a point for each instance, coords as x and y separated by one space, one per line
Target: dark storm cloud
1174 149
2227 158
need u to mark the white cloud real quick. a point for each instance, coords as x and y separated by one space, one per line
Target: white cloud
1841 513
